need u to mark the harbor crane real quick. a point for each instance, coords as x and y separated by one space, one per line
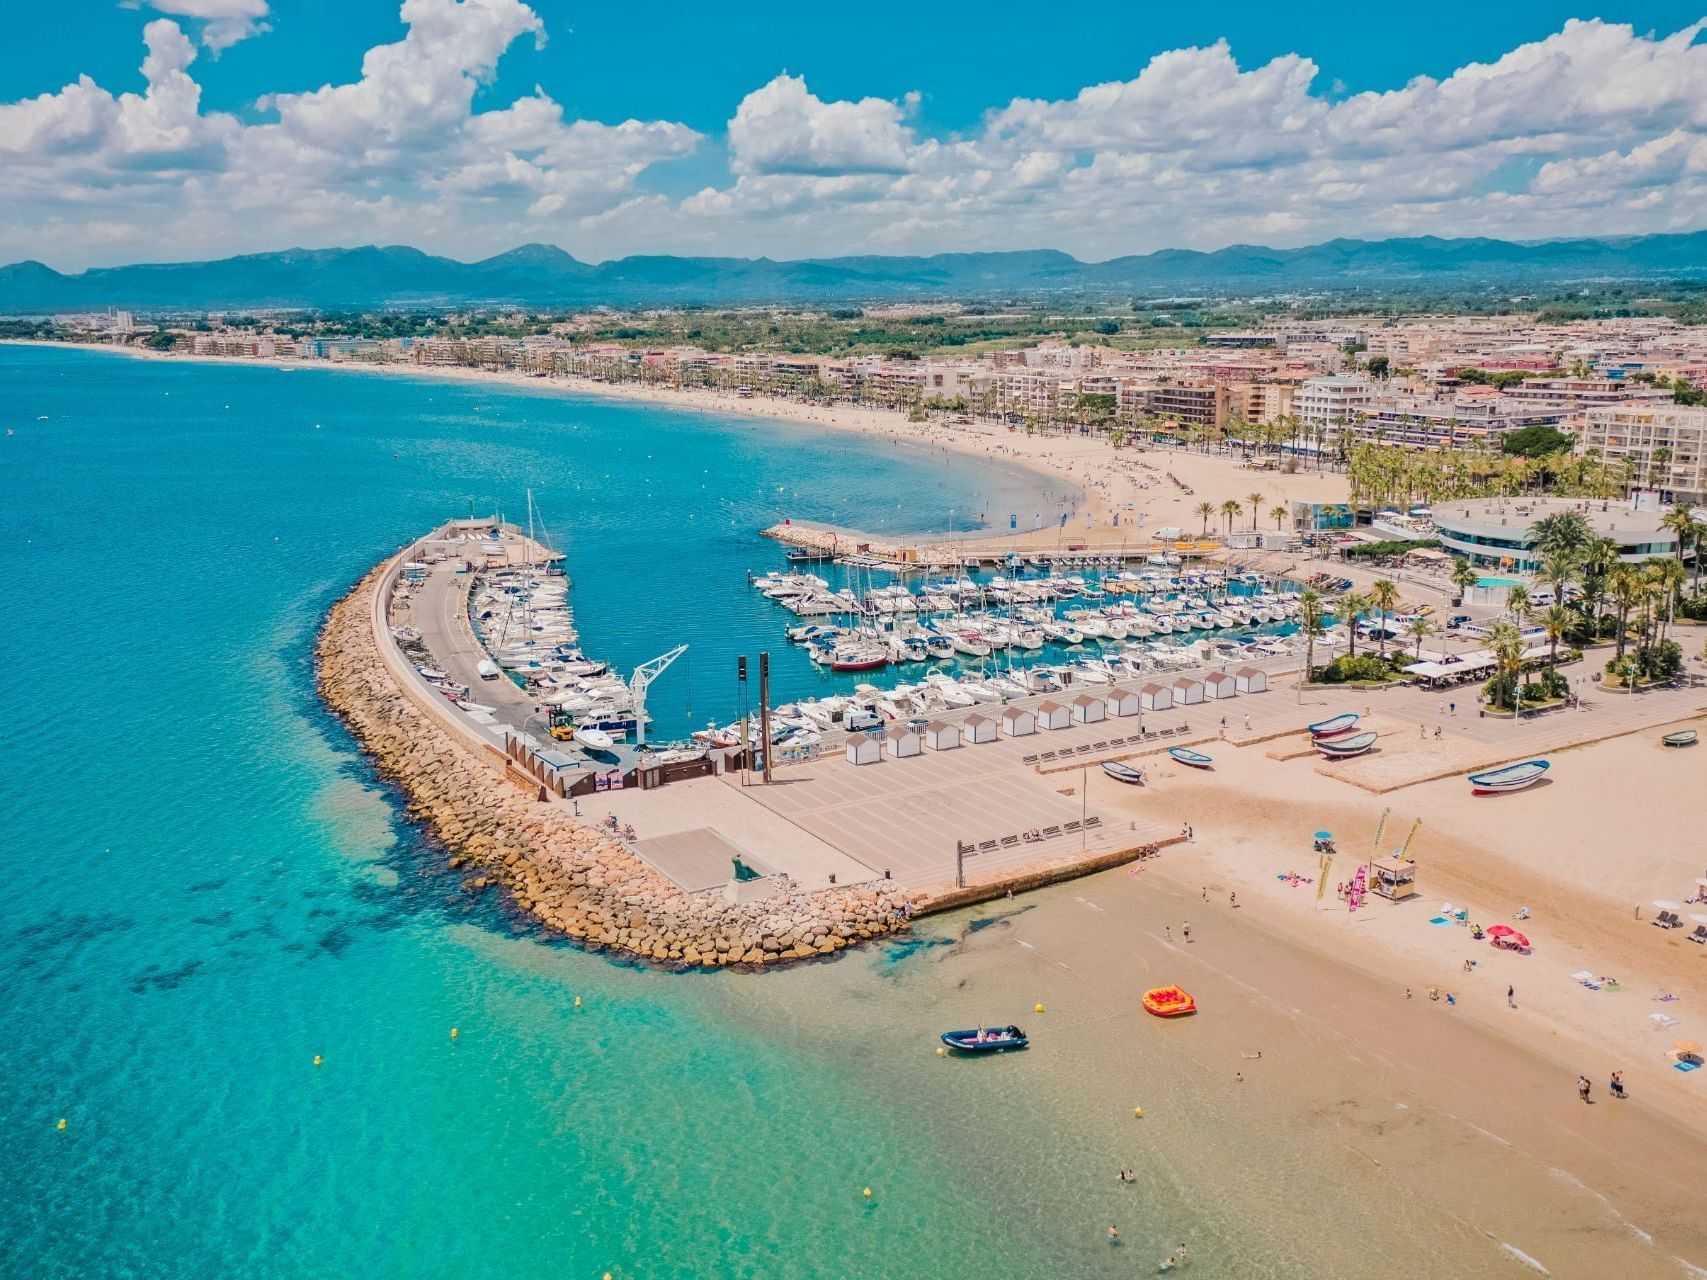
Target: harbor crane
643 676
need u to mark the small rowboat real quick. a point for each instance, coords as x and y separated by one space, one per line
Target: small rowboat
1123 772
1340 748
1514 777
1334 725
1196 759
597 739
1682 738
1169 1002
986 1039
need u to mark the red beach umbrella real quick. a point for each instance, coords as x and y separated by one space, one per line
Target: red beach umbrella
1501 931
1520 942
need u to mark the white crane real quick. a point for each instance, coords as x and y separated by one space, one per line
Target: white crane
643 676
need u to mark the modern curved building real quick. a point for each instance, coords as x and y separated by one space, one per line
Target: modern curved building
1494 533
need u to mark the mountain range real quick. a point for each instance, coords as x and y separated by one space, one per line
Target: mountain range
544 275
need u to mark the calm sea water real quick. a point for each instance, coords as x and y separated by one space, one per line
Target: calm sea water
207 888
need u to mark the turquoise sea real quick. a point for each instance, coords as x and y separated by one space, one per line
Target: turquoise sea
207 886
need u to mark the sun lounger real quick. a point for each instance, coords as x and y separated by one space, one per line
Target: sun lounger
1070 826
1051 831
1009 841
1700 934
1047 755
1099 746
1092 822
1031 759
1668 920
984 846
1662 1020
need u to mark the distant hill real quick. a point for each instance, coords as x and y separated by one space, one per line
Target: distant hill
542 275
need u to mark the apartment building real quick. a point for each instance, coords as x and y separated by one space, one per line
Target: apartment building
1333 400
1636 434
1195 404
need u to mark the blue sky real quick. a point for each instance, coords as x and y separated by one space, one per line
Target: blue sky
670 128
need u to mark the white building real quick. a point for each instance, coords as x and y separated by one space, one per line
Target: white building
1333 400
1635 433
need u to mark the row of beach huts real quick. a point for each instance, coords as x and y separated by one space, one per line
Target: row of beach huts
902 740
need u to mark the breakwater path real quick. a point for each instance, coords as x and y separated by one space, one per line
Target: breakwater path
575 879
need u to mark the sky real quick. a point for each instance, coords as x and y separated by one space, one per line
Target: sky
174 130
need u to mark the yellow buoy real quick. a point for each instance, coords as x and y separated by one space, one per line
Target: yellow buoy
62 1122
317 1059
1037 1008
453 1033
941 1051
577 1002
868 1193
1137 1113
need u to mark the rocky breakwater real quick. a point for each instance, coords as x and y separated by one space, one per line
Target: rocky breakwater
823 540
575 879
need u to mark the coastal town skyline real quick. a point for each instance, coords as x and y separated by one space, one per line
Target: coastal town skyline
186 129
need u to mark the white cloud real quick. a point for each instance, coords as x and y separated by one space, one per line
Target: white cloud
784 128
400 154
1594 129
225 21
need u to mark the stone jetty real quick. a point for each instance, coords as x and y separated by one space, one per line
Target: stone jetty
574 878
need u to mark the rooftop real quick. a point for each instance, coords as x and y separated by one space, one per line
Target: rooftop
1518 513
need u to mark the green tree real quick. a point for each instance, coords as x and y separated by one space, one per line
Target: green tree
1278 514
1464 576
1206 510
1229 511
1505 643
1354 604
1385 596
1255 499
1555 621
1310 613
1420 629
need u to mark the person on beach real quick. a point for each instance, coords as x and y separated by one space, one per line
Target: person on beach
1233 901
1186 931
1583 1087
1113 1234
1511 996
1181 1254
1616 1084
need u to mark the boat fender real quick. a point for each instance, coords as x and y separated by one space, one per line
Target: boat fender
317 1059
577 1002
867 1193
453 1033
61 1125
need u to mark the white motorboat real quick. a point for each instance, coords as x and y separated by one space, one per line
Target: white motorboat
597 739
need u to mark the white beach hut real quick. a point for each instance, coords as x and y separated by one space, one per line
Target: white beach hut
902 741
1220 685
864 748
1088 709
1052 715
1155 697
1251 680
942 736
977 728
1187 691
1122 702
1017 722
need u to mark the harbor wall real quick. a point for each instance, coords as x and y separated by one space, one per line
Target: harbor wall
575 879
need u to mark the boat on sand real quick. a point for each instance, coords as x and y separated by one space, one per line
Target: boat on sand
1123 773
1196 759
1340 748
1334 726
1681 738
1514 777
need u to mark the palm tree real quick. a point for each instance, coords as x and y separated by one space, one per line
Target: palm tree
1255 499
1681 521
1517 602
1384 595
1206 510
1561 531
1505 642
1600 557
1624 585
1556 621
1420 629
1354 604
1557 569
1278 514
1464 576
1230 509
1310 622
